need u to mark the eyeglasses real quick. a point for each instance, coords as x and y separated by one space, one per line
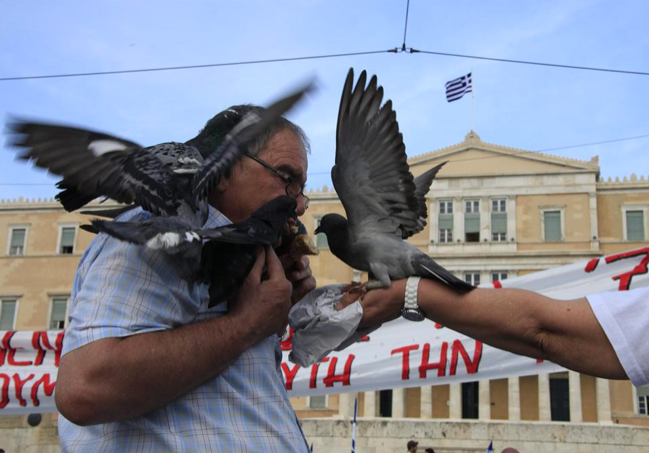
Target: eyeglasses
293 188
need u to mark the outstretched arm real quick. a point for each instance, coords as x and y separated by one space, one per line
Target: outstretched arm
519 321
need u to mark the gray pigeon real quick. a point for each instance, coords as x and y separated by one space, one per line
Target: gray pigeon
383 202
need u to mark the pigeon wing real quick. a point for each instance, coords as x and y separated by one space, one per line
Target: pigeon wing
422 187
94 164
371 174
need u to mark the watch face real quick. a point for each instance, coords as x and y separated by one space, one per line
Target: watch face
413 314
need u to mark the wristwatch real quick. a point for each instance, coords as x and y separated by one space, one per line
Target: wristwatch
411 310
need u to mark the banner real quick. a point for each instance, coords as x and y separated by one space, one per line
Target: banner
399 354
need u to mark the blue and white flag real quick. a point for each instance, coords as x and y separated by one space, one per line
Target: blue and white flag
456 88
490 448
354 426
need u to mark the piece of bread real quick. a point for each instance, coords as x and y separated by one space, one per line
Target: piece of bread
302 245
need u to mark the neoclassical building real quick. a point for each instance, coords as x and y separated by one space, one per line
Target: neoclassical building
494 213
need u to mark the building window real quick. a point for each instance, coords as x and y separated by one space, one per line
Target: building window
472 220
470 399
318 402
57 316
321 238
642 405
635 226
7 314
552 226
559 398
66 242
17 241
472 278
499 220
445 221
498 276
385 403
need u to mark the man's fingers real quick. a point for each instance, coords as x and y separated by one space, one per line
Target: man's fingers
258 267
274 266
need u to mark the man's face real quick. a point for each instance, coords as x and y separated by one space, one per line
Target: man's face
251 185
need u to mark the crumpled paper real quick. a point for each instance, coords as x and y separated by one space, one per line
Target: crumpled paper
320 329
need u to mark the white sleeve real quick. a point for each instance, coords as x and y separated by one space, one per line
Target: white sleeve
624 316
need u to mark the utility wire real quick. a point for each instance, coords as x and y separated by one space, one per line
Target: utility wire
536 63
315 57
405 29
175 68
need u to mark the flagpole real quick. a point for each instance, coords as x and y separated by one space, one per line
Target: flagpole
472 103
354 427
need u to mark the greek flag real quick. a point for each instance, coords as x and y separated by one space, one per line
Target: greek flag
490 448
456 88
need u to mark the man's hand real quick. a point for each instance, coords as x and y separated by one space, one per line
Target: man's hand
300 276
263 305
379 305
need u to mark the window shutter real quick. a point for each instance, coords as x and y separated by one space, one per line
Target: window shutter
7 313
499 222
635 226
471 223
18 237
67 237
446 221
552 226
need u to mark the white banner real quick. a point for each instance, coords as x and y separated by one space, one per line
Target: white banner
399 354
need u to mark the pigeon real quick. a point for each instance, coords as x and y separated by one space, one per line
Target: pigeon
228 254
383 202
169 179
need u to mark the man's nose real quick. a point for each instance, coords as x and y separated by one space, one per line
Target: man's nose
301 206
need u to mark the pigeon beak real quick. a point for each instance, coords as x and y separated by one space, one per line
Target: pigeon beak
317 231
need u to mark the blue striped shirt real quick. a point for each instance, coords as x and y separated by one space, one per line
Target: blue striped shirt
121 290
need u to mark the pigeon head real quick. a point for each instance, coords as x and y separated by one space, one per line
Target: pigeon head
331 224
277 211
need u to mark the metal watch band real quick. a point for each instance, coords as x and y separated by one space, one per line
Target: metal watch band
411 292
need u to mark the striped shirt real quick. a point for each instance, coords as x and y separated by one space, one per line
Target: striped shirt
120 290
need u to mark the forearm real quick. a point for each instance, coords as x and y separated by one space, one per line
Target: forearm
119 378
504 318
527 323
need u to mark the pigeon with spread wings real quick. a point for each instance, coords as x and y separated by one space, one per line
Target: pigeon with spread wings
169 179
383 202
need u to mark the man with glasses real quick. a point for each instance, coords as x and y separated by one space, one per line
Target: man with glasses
147 366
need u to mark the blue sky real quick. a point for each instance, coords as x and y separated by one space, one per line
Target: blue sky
529 107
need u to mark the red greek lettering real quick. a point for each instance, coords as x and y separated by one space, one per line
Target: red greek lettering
287 343
592 265
405 362
626 278
314 372
426 365
4 392
289 375
344 378
471 365
19 383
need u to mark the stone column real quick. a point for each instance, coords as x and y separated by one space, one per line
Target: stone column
369 405
484 400
458 220
574 383
346 405
398 403
426 402
455 401
545 412
514 399
485 219
594 228
603 401
511 218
